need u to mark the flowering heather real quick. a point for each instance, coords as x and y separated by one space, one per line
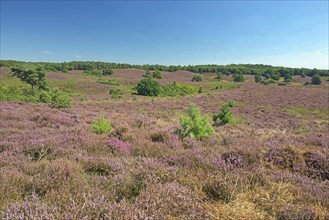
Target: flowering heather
117 145
273 165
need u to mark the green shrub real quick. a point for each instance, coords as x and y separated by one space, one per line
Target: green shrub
3 97
116 93
316 80
287 78
44 97
157 74
303 75
177 89
60 100
107 72
111 82
102 125
267 82
196 79
219 76
258 78
94 72
225 115
200 90
275 76
194 125
238 78
148 87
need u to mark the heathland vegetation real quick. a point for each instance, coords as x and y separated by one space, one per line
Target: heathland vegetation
96 140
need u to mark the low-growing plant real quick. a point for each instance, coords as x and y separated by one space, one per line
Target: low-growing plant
157 74
60 99
107 72
258 78
238 78
196 79
287 78
115 92
218 76
102 125
45 97
225 115
316 80
176 89
194 125
111 82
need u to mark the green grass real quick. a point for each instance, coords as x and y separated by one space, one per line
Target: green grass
306 113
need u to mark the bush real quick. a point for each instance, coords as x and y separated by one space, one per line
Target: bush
2 94
316 80
303 75
102 125
157 74
60 100
275 76
287 78
107 72
225 115
258 78
148 87
219 76
111 82
176 89
194 125
44 97
238 78
196 79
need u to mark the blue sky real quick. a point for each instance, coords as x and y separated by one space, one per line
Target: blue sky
283 33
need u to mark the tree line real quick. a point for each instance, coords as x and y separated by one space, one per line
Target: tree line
253 69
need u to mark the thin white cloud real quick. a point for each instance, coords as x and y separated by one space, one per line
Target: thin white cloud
77 56
46 52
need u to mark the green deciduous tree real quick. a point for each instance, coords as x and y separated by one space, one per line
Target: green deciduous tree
33 75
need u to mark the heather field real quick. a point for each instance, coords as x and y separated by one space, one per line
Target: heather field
273 163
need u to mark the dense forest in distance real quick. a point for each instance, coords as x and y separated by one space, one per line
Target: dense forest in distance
253 69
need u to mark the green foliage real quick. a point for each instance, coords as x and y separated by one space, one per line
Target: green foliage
111 82
44 97
287 78
267 75
3 97
275 76
258 78
303 75
148 87
267 82
316 80
238 78
196 79
33 75
225 115
177 89
102 125
116 93
157 74
194 125
60 99
107 72
94 72
200 90
219 76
